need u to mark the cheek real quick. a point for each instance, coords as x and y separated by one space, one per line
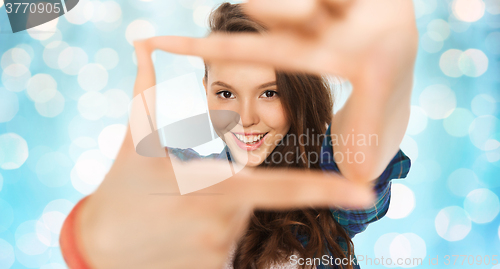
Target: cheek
274 117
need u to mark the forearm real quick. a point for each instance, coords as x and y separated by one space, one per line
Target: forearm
145 79
367 133
373 121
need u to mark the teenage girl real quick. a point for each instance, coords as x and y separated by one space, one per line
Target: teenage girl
268 71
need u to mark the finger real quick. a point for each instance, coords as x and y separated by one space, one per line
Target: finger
291 188
306 17
239 223
142 137
281 50
278 12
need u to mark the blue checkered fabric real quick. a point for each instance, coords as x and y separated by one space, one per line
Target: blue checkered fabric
353 221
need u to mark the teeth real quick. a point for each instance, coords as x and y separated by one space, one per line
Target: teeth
249 138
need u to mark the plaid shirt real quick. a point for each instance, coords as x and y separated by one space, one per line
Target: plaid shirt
353 221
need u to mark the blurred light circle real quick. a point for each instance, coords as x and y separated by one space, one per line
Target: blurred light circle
32 261
457 25
196 62
42 31
15 77
458 123
190 4
53 169
492 148
35 154
51 53
139 29
57 36
118 102
449 63
409 147
462 181
492 41
493 6
431 42
51 108
15 56
80 145
53 266
482 205
468 10
440 27
7 214
44 235
438 101
27 48
72 59
81 13
383 245
486 171
424 7
482 129
452 223
107 57
111 139
418 121
178 104
41 87
98 12
93 77
60 205
200 15
30 244
111 10
92 166
7 257
402 201
473 63
108 16
80 185
13 151
407 246
54 220
32 237
9 105
492 21
483 104
93 105
80 126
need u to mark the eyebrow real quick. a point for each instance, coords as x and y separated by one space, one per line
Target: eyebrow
265 85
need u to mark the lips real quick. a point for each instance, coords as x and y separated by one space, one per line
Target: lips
249 141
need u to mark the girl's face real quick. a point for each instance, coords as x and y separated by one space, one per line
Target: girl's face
250 91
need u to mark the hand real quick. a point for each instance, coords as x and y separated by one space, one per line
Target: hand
339 37
138 219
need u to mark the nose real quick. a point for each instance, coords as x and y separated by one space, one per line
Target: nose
248 114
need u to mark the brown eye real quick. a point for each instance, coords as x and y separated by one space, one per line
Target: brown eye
269 94
225 94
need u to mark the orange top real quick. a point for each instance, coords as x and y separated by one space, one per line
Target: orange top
71 248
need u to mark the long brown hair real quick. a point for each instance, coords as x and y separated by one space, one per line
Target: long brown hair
272 235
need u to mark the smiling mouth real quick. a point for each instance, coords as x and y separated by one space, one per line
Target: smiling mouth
250 139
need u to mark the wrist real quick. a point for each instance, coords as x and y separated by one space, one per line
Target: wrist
143 46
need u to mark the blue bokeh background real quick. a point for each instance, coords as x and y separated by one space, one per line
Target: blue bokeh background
65 89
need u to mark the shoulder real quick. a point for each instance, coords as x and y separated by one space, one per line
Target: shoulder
190 154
